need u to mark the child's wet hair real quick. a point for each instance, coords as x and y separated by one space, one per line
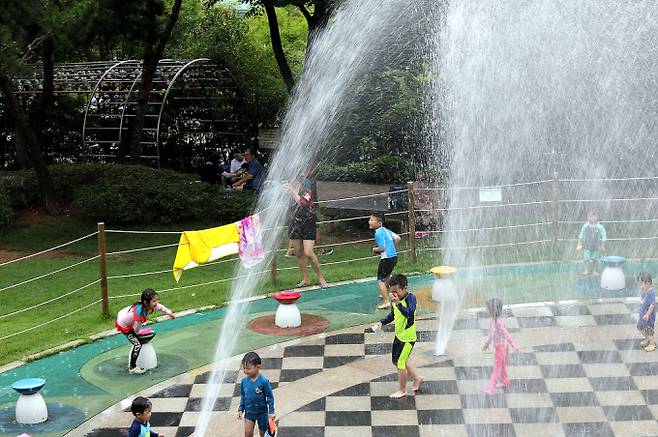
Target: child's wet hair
148 295
644 277
495 307
139 405
251 358
399 280
378 215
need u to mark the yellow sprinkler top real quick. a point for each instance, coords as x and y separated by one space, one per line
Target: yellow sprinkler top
442 271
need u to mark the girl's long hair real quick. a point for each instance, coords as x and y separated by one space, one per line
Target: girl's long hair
145 299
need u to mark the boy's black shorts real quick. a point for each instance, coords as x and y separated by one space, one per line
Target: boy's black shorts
386 266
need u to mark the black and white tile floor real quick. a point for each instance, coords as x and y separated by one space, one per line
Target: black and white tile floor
581 372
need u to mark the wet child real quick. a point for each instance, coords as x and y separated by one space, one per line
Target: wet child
647 316
256 397
129 322
592 239
403 314
385 245
141 409
499 336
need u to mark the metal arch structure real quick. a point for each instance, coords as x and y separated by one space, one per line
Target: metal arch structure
195 86
195 109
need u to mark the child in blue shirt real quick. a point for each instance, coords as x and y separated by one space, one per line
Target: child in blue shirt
647 316
592 239
256 397
141 409
385 242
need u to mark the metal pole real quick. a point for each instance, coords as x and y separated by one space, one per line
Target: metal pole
556 208
412 220
102 264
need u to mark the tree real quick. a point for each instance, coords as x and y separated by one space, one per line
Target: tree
147 23
243 46
29 33
316 13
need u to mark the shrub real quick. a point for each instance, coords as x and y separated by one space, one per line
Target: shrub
129 194
6 211
381 170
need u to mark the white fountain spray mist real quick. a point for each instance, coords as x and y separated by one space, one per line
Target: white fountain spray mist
524 90
337 57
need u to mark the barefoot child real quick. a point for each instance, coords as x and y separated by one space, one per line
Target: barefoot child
130 320
256 398
141 409
403 313
647 317
499 336
592 240
386 241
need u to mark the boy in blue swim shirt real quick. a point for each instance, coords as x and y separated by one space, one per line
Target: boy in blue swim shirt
256 397
385 245
141 409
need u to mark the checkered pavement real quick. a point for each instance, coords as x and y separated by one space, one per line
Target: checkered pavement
597 388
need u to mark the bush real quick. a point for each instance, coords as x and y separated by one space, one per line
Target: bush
6 211
135 194
381 170
129 194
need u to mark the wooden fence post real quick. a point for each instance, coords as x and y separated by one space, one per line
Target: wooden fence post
273 267
412 220
555 203
102 264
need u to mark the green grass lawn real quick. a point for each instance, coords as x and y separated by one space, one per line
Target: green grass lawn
35 235
52 231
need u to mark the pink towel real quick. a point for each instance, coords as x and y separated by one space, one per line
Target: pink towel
250 246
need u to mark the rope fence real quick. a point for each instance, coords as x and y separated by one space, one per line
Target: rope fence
68 243
409 233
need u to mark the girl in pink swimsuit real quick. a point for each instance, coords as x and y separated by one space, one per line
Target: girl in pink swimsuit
499 336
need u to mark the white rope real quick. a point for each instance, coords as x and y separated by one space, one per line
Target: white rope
50 321
348 219
493 228
218 281
632 238
649 178
27 281
136 275
122 231
142 249
580 222
538 202
606 200
386 193
48 250
158 272
518 184
485 246
349 242
96 281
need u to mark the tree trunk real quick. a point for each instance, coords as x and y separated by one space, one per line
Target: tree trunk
318 21
48 90
277 47
149 66
27 145
152 54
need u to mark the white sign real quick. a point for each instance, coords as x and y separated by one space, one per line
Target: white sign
268 138
491 194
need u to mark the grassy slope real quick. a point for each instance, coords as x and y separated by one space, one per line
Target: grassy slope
49 232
